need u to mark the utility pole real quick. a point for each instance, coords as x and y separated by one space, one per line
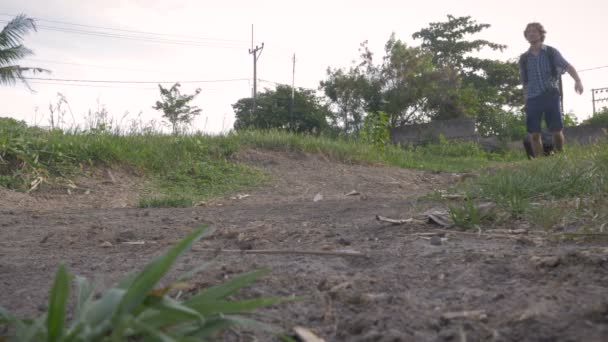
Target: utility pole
256 55
593 99
293 89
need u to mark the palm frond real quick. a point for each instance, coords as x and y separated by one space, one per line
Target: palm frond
12 54
12 34
9 75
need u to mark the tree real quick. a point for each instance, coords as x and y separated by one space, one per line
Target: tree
405 78
489 88
175 106
398 86
274 110
346 92
445 40
12 50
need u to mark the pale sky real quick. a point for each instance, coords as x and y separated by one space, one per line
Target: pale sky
322 34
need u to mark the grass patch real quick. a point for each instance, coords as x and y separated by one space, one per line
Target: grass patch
564 188
443 156
182 169
165 202
187 169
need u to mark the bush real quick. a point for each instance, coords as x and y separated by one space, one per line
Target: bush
376 130
598 119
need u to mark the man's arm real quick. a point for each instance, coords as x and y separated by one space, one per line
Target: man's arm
578 85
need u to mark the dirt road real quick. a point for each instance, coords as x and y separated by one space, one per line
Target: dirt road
408 288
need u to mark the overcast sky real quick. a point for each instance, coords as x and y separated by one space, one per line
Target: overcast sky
322 34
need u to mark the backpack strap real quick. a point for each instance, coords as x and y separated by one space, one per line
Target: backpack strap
557 76
523 66
551 55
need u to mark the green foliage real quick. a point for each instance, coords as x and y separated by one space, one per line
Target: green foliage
545 215
175 106
26 154
188 168
579 172
447 41
347 92
506 125
398 86
570 120
467 215
489 89
274 110
404 81
200 180
445 156
376 130
166 202
12 50
136 309
442 79
599 119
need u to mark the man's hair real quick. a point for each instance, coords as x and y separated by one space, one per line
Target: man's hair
537 26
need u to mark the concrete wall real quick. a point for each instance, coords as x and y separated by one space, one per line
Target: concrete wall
461 129
585 135
464 129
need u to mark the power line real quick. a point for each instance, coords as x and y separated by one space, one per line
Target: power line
92 85
94 65
136 38
112 87
589 69
130 31
138 82
143 39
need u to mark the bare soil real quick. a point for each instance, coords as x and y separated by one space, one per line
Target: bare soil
487 287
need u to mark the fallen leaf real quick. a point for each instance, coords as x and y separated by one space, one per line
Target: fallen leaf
306 335
134 243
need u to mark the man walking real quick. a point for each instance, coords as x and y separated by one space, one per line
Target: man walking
541 68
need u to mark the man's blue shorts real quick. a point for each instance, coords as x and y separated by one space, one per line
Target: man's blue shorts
547 104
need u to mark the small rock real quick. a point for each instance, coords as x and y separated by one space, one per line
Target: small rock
317 198
436 241
344 242
370 336
323 285
550 262
245 245
106 244
46 237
